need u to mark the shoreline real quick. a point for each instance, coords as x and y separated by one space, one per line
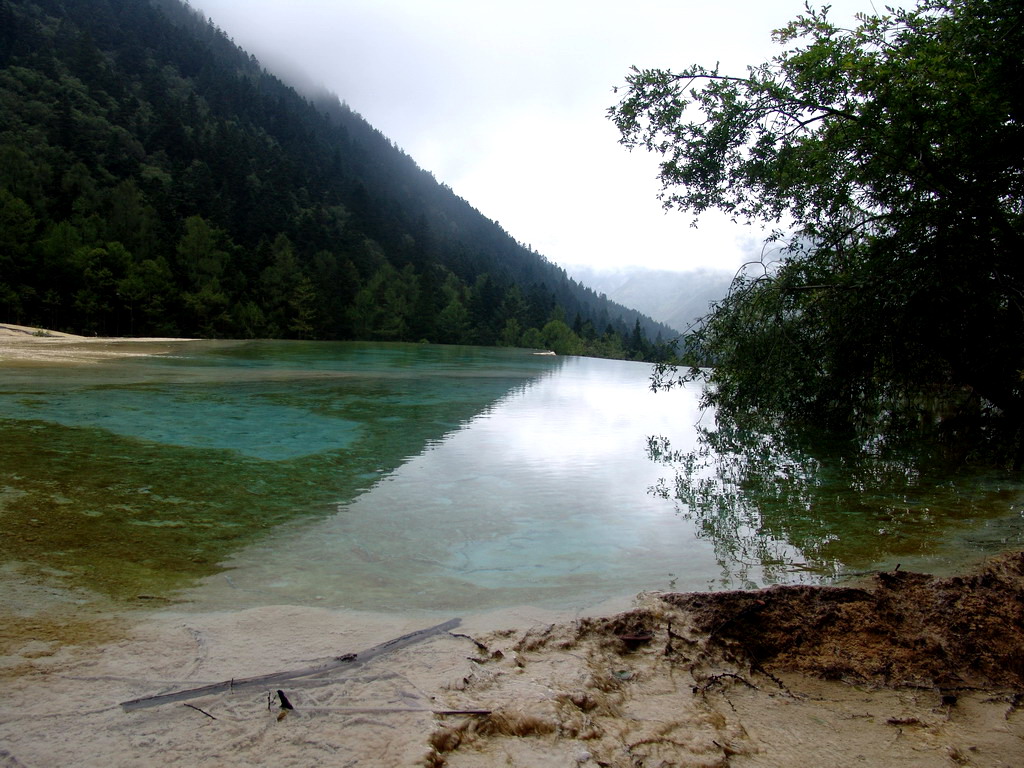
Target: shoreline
905 669
898 668
28 345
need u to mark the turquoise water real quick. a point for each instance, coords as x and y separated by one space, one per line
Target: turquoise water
415 477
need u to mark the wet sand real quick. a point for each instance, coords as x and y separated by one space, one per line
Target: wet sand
26 345
678 680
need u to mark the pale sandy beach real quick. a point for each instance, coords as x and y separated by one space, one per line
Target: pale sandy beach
29 345
900 670
650 687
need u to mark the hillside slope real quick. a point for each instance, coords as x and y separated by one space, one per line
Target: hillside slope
154 179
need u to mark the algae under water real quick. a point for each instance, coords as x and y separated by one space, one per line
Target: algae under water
140 475
398 476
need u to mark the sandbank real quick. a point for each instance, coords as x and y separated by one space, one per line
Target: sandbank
21 344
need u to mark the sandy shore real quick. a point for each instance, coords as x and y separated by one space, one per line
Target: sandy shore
20 344
904 670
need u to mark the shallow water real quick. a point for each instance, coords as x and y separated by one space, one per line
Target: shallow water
413 477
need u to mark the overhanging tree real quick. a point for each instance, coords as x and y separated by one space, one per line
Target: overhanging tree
890 159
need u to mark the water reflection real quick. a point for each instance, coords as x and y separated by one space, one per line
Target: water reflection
410 476
141 475
776 506
540 499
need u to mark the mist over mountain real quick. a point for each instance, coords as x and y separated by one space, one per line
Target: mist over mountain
155 179
677 299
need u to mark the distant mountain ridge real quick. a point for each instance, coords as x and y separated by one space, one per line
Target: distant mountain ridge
155 179
677 299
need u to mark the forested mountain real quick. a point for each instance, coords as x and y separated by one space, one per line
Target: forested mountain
154 179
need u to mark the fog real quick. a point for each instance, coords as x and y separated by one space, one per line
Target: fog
506 103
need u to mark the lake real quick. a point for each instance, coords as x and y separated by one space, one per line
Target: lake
417 477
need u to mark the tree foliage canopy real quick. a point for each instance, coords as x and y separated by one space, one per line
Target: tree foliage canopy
890 159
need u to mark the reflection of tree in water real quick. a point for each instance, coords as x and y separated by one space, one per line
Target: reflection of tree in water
785 507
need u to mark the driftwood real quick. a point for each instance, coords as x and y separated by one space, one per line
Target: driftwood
349 661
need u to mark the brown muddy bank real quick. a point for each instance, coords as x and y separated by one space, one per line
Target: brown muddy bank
906 669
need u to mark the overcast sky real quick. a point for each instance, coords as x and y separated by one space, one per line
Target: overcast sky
506 103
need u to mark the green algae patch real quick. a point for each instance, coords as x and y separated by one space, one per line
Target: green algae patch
125 517
143 478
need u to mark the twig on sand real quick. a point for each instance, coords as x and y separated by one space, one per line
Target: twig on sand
349 660
197 709
473 640
714 680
